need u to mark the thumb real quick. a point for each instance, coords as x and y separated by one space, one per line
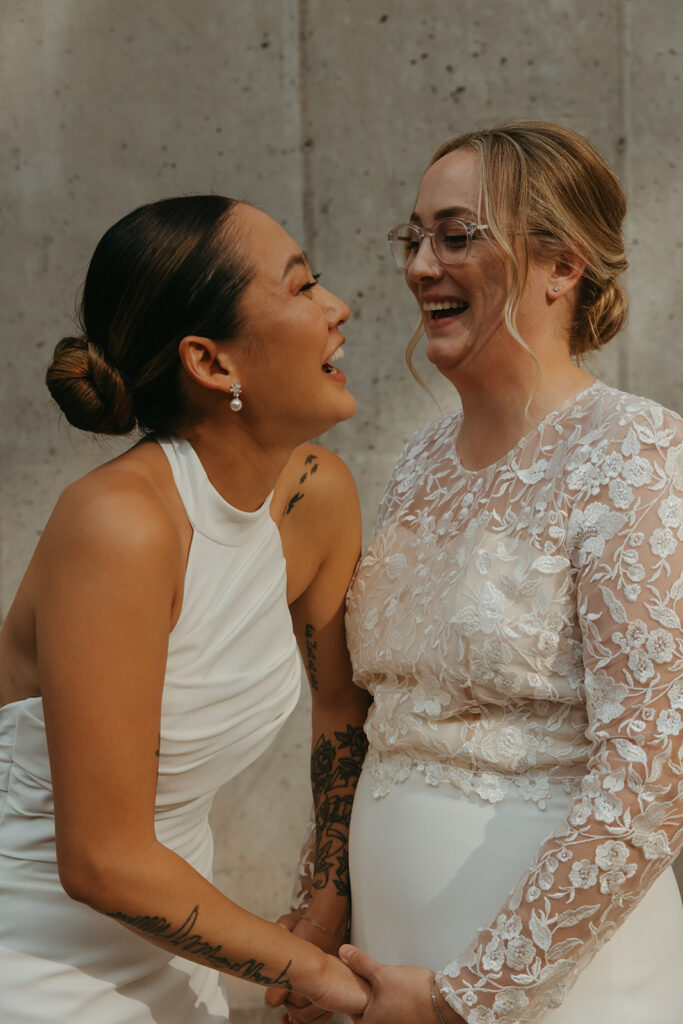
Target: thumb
359 962
275 996
290 920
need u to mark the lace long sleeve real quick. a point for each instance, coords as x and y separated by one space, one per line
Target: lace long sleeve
303 884
625 545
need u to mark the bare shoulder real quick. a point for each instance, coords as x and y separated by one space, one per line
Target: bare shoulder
115 511
317 511
315 480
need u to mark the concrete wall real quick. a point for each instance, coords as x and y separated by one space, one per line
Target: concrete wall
325 114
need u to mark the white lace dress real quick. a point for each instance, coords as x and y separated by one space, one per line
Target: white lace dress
519 629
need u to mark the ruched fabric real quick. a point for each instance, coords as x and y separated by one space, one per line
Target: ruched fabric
232 679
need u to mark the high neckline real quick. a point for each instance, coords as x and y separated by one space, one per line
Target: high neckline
549 418
208 511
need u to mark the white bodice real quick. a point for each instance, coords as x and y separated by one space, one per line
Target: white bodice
232 678
519 627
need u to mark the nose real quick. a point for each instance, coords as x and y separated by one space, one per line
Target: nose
423 264
336 310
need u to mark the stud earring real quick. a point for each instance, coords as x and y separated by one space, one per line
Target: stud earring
556 287
236 403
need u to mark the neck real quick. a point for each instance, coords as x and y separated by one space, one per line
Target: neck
504 403
242 469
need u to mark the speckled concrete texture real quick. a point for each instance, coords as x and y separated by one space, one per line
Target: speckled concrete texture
325 114
653 170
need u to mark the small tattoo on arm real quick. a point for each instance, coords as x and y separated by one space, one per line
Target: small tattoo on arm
312 462
311 654
292 502
186 940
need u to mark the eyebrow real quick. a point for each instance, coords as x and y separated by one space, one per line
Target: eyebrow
295 260
449 211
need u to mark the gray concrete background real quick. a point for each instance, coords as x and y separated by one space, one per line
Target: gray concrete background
324 113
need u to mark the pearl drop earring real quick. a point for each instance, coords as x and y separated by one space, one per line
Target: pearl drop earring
236 403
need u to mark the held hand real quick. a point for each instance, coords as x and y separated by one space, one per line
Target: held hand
299 1009
339 990
400 995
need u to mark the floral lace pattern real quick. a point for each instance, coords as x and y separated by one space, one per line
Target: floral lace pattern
518 627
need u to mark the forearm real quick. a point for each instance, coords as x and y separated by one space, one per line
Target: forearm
338 750
160 897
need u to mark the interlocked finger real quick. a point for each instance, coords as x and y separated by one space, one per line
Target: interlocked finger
306 1013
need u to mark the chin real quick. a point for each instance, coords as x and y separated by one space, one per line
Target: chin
344 409
445 356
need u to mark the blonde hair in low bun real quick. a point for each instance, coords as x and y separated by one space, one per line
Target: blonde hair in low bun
89 390
600 313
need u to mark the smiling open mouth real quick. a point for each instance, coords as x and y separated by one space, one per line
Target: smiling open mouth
441 310
335 357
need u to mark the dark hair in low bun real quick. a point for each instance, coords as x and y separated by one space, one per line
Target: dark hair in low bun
89 390
166 270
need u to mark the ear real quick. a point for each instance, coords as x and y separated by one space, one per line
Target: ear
206 363
565 273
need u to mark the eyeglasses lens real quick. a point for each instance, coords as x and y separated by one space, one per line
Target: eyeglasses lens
405 241
450 240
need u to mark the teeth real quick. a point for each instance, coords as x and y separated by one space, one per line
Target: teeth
433 307
336 355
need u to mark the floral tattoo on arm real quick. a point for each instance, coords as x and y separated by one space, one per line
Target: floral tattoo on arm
335 767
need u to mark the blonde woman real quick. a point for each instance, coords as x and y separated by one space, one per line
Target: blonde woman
517 620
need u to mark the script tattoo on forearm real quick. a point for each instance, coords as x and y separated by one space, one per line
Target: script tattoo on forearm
334 775
312 462
311 654
187 940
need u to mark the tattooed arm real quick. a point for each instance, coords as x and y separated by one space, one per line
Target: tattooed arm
321 534
106 584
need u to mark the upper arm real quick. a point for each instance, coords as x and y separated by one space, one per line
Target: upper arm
624 828
104 586
630 595
321 537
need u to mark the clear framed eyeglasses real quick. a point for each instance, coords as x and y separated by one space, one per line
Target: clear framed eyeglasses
451 240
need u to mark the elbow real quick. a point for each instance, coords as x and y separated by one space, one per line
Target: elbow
85 880
98 878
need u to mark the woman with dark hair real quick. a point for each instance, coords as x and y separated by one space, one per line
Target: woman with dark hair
149 650
517 620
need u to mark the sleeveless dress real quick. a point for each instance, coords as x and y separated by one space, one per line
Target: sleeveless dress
519 628
232 678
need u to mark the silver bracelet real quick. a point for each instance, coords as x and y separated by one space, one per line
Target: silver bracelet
436 1005
328 931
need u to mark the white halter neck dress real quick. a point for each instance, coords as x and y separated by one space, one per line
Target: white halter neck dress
232 678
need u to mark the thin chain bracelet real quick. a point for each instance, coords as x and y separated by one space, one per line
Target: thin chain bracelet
436 1005
328 931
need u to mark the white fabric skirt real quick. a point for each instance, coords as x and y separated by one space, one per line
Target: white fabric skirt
429 866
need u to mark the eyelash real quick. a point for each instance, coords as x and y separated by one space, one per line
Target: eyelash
310 284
